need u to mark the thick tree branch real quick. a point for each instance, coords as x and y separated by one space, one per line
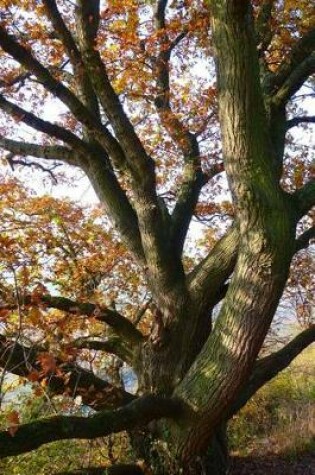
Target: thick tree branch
304 240
113 345
24 361
49 152
300 53
268 367
136 414
55 87
206 280
164 269
305 199
193 179
62 31
228 356
121 325
295 81
96 165
116 203
160 12
207 287
53 130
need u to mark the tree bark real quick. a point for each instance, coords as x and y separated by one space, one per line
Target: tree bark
266 222
217 460
211 369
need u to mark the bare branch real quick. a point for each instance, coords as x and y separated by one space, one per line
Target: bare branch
193 177
294 70
12 161
41 125
268 367
136 414
295 81
300 120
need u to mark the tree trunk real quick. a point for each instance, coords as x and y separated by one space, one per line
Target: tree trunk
158 455
217 460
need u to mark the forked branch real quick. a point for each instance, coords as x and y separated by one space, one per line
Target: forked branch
193 177
294 70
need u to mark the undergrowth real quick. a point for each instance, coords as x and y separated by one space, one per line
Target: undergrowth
280 418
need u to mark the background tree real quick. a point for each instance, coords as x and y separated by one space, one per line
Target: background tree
154 136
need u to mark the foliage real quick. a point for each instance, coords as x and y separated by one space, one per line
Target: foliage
66 455
182 115
280 417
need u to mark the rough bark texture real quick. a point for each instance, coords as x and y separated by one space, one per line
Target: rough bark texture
193 374
266 221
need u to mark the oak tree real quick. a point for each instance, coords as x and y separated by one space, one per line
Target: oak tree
156 102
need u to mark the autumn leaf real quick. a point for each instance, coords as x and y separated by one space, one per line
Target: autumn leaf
47 363
4 313
33 376
34 315
13 419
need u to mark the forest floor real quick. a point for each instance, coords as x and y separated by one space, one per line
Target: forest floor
273 464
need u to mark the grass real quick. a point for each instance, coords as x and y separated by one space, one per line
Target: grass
280 418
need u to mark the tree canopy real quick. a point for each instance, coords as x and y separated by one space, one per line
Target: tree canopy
181 115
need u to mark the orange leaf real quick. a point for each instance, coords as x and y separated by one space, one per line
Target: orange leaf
47 362
13 419
33 376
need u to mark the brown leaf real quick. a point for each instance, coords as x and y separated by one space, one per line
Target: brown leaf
13 419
